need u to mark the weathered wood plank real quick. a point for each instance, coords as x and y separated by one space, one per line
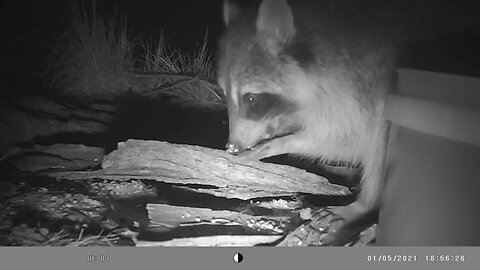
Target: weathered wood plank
205 170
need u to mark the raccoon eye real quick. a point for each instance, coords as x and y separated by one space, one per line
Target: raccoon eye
264 105
250 99
260 105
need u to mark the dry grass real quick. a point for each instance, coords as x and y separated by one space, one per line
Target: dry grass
62 238
161 58
187 78
94 59
94 56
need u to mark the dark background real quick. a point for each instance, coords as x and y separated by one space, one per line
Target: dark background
29 29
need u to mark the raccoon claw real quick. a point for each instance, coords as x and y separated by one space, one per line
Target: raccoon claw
335 212
250 154
255 153
334 224
343 223
325 211
328 215
338 236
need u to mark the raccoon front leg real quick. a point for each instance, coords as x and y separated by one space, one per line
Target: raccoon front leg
282 145
360 214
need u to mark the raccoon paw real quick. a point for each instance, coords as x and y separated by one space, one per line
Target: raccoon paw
345 223
338 237
256 153
345 213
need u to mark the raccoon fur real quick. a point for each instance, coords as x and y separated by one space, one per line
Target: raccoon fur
308 79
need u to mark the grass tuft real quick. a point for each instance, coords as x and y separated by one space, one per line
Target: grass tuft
94 55
95 59
187 78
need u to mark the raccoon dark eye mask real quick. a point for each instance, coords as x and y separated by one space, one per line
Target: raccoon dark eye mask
265 105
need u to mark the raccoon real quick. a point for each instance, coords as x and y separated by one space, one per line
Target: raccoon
308 79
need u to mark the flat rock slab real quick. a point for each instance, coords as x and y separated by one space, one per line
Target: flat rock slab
57 157
205 170
23 119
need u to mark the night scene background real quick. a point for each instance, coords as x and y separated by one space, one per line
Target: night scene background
95 73
35 35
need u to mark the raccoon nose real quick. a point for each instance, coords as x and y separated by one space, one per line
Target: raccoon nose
232 148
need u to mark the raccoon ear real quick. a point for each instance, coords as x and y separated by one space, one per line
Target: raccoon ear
275 25
230 12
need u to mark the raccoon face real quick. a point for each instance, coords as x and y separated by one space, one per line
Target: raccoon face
254 78
256 118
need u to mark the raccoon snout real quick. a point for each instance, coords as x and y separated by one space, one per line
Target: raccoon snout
234 149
